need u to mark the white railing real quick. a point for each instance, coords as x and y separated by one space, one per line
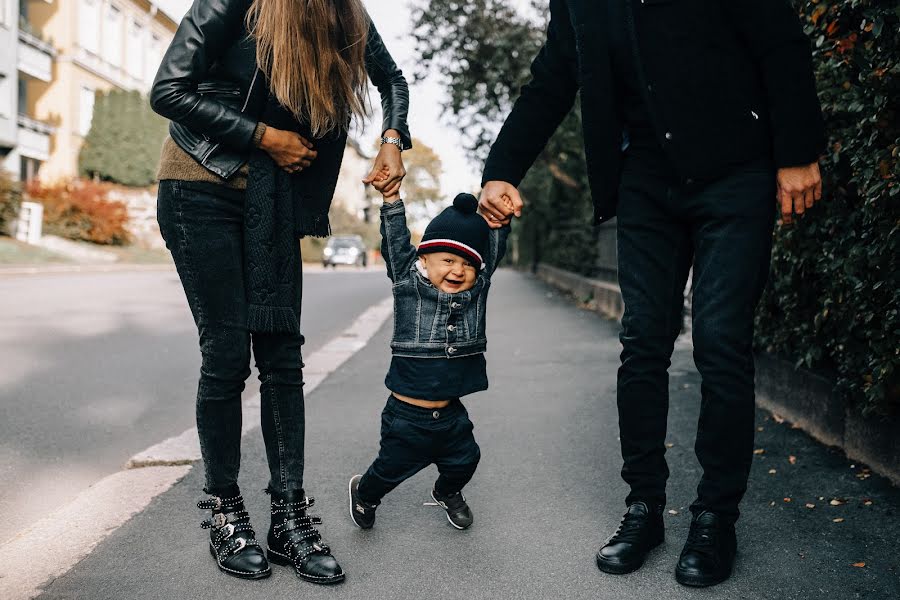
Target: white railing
35 56
34 138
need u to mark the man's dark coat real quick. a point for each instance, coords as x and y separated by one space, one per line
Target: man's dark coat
726 81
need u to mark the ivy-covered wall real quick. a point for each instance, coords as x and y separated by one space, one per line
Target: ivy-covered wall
832 300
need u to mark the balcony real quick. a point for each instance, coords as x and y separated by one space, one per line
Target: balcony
34 138
35 56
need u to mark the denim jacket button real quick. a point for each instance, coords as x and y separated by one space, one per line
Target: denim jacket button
451 327
451 350
455 305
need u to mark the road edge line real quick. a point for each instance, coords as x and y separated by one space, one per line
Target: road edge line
69 534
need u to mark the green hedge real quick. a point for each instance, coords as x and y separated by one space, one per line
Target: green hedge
831 304
124 141
10 201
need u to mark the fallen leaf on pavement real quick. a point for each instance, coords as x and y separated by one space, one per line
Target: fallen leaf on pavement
859 565
837 501
838 520
759 429
772 503
778 418
670 445
810 505
792 459
772 471
867 502
673 511
759 451
788 500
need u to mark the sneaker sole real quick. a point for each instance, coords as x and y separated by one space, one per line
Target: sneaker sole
350 494
449 520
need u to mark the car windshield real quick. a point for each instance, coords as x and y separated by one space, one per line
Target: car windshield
342 243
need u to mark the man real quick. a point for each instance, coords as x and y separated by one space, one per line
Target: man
696 113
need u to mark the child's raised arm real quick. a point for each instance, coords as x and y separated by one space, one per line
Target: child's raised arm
396 248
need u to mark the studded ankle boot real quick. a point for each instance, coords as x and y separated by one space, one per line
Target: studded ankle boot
232 541
294 540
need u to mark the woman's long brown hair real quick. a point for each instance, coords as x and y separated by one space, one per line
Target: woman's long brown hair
313 52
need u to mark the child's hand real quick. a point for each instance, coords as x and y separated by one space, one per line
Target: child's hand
507 202
390 194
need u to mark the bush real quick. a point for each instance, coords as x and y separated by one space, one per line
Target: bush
79 210
831 304
124 141
10 201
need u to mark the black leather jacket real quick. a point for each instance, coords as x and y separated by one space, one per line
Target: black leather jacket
209 85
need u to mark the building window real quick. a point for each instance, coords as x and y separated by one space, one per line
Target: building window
28 168
135 55
89 25
112 36
85 110
153 57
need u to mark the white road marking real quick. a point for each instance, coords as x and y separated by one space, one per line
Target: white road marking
66 536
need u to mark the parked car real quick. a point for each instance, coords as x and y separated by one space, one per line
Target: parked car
344 250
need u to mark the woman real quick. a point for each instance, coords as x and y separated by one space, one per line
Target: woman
260 94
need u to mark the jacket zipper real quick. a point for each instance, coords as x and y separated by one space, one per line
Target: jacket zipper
243 108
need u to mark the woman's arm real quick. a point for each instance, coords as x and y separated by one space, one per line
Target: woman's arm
394 91
204 33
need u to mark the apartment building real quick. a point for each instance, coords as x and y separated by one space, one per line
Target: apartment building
92 46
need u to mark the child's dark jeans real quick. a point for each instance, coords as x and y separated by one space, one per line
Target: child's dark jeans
413 438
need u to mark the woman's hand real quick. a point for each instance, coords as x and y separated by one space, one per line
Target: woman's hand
290 151
388 170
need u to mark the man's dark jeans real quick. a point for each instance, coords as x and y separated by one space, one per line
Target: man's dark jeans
202 225
413 438
724 229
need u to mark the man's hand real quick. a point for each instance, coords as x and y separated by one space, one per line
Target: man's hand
499 202
798 189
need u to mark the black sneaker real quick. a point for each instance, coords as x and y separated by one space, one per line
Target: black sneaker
458 512
640 531
362 513
708 555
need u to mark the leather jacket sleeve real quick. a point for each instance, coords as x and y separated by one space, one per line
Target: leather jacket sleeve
388 78
206 31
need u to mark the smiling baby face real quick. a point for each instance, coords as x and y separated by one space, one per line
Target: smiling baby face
448 272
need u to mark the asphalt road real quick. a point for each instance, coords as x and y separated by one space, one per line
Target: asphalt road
546 495
96 367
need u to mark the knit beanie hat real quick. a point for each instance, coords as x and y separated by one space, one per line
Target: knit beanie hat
459 230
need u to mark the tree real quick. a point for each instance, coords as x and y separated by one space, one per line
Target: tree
482 50
124 141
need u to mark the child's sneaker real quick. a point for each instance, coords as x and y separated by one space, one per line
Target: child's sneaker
362 513
458 512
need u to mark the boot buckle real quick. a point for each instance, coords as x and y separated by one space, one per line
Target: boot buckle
228 531
219 520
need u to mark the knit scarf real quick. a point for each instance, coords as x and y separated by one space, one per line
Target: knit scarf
279 209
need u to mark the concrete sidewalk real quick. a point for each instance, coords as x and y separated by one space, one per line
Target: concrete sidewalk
546 495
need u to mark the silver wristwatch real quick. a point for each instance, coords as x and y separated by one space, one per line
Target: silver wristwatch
392 140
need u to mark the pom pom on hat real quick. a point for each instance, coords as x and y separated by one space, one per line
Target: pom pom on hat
467 204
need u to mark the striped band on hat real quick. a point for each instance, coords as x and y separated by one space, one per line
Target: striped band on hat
452 244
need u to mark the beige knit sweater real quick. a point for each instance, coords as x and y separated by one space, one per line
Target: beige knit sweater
175 163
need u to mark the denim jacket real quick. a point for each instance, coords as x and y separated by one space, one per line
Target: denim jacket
429 323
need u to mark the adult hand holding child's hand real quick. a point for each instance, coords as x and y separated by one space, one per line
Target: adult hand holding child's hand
499 202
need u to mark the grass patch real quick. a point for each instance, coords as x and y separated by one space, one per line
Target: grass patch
14 252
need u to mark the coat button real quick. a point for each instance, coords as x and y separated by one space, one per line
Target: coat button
451 327
436 414
455 305
669 135
451 350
